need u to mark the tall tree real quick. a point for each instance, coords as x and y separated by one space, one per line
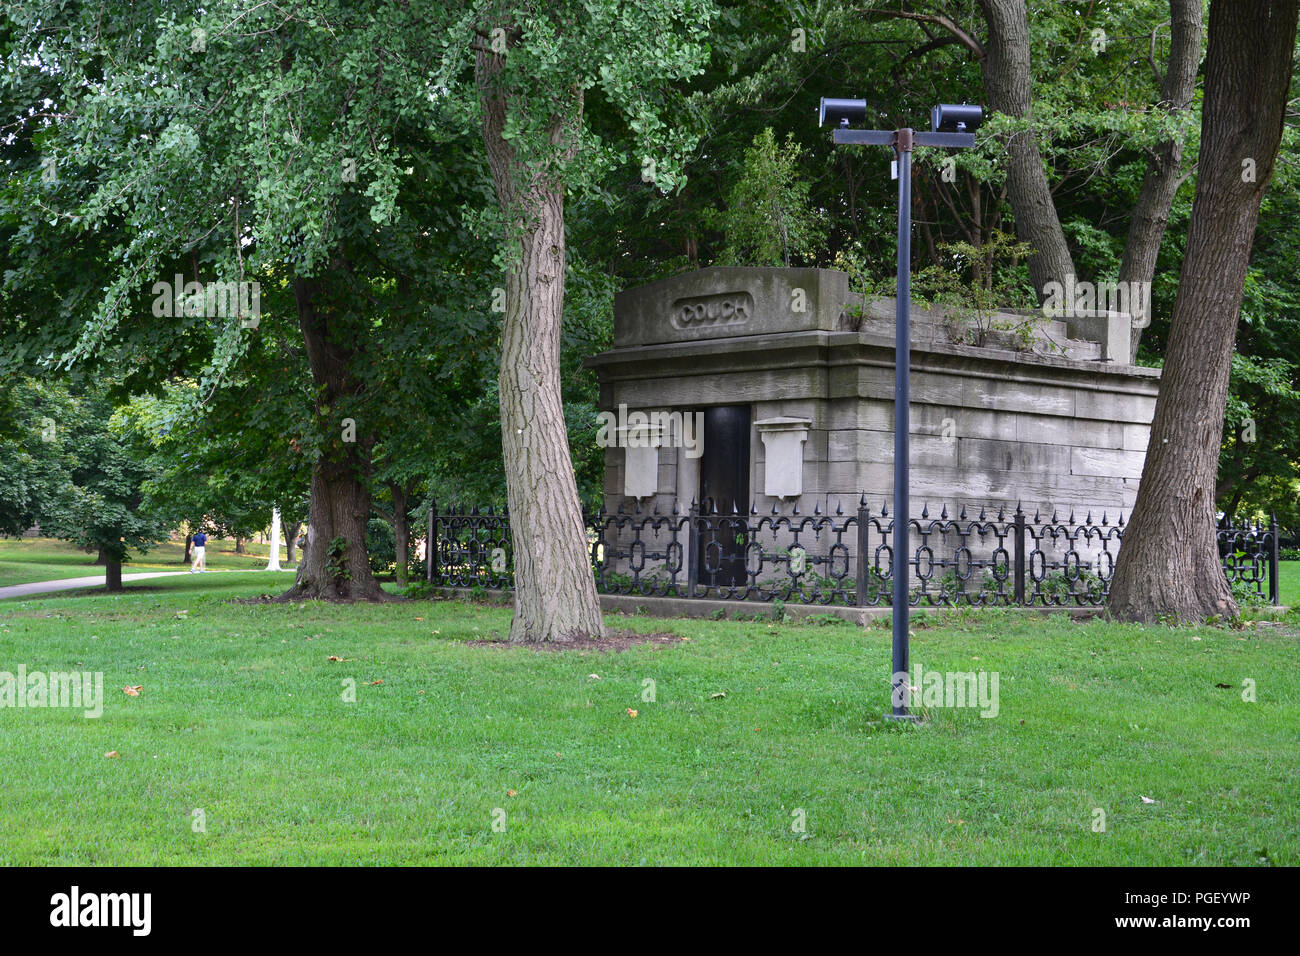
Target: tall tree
1164 170
1008 80
534 64
310 152
1169 564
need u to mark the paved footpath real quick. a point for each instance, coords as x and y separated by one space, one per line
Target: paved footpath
95 581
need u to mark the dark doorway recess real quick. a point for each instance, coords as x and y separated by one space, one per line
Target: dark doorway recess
724 491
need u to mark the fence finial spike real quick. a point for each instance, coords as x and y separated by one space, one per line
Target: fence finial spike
694 503
637 510
1054 516
1121 519
839 507
862 502
1072 515
1088 520
796 507
982 513
963 512
1037 516
817 508
620 506
1103 519
655 510
1002 512
677 509
925 510
753 506
774 511
1018 511
943 515
735 507
884 510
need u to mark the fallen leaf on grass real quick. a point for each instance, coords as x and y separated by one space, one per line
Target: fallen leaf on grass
631 712
593 677
133 691
1146 799
715 696
512 793
112 753
374 682
334 657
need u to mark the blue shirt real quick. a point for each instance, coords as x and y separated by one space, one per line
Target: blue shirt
200 540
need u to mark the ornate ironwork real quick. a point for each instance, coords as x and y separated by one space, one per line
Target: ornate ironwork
844 558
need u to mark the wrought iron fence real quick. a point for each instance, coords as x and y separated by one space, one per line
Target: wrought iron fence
841 558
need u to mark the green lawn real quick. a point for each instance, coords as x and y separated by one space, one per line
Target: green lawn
1288 581
242 717
23 560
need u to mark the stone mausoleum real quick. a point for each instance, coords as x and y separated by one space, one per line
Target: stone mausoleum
792 377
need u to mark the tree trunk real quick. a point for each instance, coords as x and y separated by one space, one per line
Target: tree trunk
113 576
1009 85
189 545
239 545
1164 172
1168 566
334 566
401 529
100 557
555 590
291 532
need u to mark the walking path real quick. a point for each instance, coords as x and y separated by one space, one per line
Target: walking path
71 584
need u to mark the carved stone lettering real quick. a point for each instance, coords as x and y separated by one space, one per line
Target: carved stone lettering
726 308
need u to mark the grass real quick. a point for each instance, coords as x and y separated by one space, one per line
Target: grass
1288 582
24 560
242 717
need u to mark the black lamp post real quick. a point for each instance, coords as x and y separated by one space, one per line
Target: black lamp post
952 125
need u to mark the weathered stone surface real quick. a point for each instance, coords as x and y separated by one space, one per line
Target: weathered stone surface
722 302
1051 426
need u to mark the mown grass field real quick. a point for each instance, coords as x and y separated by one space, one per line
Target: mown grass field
242 717
24 560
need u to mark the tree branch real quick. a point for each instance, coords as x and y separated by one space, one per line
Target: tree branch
964 38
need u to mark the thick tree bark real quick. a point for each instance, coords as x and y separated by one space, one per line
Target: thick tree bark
334 565
101 557
239 545
1164 172
1168 566
1009 85
113 576
189 546
555 590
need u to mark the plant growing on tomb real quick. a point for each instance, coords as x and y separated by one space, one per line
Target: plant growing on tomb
769 220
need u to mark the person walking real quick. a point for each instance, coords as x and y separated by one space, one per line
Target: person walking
200 564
